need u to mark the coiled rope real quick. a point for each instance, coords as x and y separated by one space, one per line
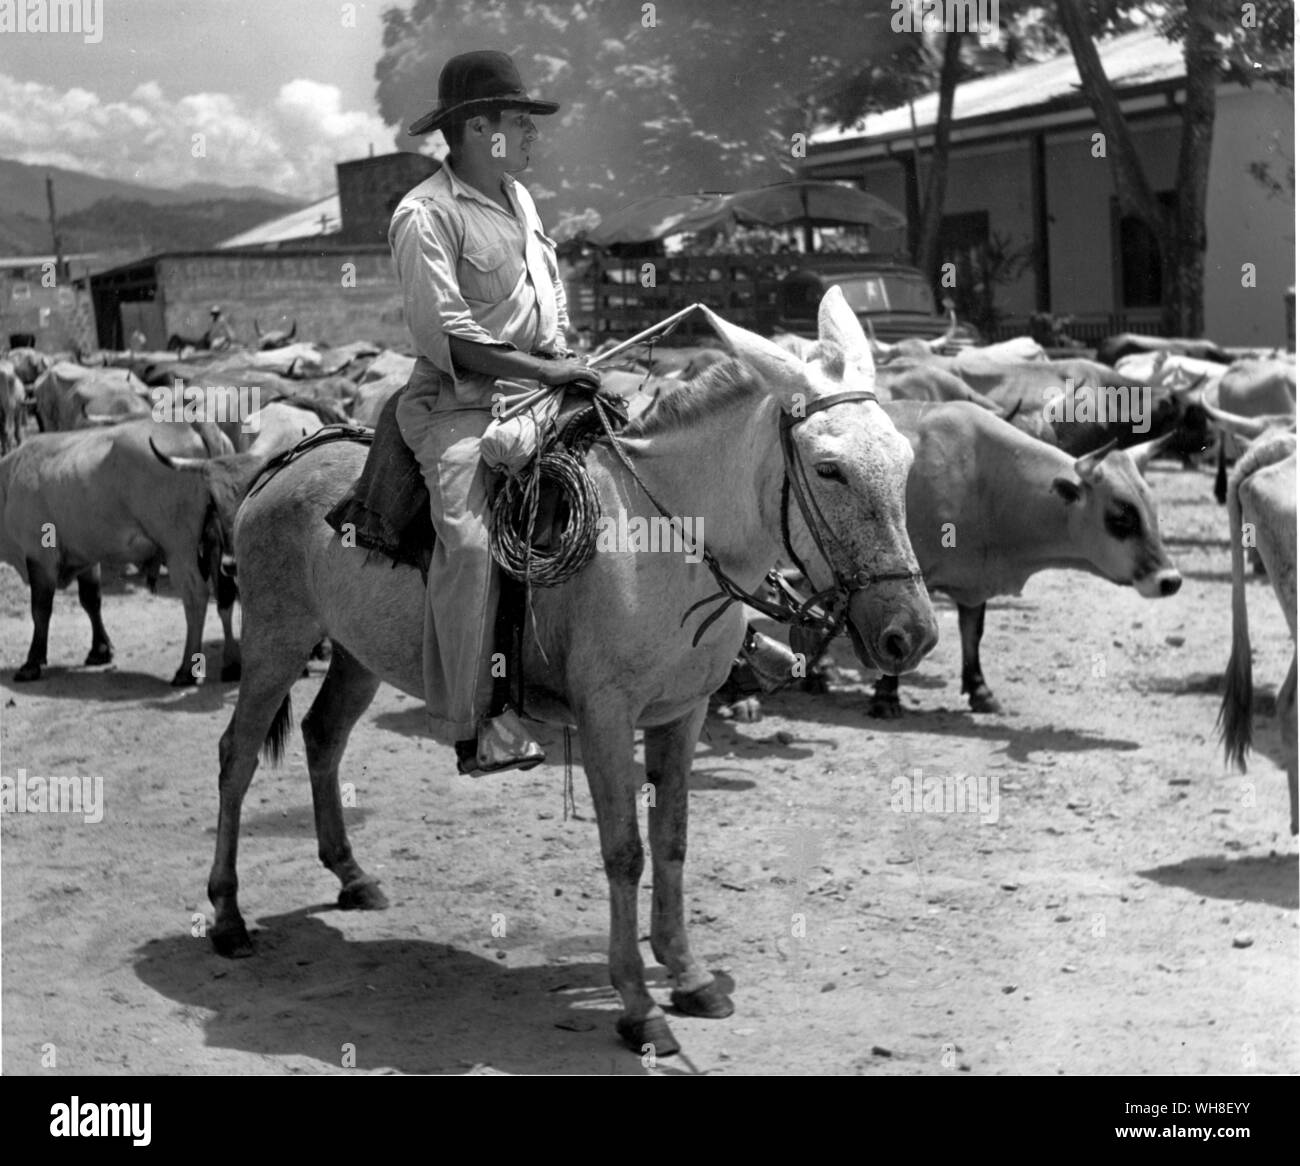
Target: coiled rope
514 521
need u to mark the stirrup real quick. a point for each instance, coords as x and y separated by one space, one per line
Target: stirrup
503 743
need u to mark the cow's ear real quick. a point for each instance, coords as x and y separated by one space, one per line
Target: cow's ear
1067 488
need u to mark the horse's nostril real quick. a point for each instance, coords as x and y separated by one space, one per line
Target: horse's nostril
895 645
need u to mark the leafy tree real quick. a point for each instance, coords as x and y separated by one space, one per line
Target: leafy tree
675 97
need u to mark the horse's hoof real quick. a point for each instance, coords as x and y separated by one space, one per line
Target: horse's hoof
230 672
363 895
28 672
231 940
747 710
100 654
711 1002
984 702
886 708
651 1035
184 678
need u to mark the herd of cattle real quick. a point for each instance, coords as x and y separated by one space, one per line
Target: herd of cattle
144 457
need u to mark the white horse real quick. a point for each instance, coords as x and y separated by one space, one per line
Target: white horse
607 650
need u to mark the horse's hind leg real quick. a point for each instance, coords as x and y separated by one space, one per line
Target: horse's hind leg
669 750
346 694
262 717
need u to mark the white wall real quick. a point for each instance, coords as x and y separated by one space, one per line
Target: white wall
1244 224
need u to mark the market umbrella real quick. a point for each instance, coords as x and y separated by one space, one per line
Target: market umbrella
813 204
659 216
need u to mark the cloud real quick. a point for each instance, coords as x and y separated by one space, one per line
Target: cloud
290 145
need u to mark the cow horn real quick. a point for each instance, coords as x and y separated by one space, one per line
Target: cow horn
256 328
1142 454
193 465
1240 426
1086 466
937 343
294 330
880 352
1195 385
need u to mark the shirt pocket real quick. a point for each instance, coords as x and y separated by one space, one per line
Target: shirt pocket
485 273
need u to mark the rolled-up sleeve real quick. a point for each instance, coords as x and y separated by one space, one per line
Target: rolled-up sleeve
561 311
424 245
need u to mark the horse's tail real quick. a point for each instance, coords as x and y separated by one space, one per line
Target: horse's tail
278 734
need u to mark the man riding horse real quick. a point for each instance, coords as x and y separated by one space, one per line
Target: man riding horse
483 300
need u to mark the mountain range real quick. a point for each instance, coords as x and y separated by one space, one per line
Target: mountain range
109 215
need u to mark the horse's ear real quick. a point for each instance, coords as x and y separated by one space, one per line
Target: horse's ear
779 373
844 346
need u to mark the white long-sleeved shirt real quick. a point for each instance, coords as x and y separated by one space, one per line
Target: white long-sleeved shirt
471 269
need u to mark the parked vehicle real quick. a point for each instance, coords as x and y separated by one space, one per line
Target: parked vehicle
894 298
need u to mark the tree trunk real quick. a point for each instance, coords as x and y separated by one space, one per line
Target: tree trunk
927 258
1184 278
1181 235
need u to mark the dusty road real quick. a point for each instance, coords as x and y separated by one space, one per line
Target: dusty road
1132 909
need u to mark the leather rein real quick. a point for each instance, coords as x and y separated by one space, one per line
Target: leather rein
789 607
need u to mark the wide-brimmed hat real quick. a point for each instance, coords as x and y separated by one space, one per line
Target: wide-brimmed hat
473 82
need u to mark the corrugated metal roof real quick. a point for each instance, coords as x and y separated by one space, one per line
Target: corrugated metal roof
297 225
8 263
1133 59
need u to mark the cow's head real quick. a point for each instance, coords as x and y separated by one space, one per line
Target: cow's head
1112 519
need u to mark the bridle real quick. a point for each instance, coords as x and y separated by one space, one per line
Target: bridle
814 613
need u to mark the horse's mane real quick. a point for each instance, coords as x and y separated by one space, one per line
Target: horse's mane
717 387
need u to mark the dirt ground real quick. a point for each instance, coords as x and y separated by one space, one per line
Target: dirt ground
1133 908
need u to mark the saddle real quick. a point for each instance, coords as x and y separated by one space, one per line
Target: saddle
386 511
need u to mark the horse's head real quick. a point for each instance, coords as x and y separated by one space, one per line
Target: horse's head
849 530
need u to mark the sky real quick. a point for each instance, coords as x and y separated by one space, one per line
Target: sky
279 89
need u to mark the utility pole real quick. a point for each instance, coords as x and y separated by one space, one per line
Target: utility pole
60 270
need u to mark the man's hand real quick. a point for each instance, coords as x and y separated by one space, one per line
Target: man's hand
569 372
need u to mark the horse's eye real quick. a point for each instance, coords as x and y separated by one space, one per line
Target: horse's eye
831 471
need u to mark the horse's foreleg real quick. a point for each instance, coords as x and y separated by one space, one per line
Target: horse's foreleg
346 694
669 750
262 716
607 739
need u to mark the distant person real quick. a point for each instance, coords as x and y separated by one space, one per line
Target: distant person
483 300
220 334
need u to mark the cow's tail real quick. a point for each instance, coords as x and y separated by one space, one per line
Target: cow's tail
1236 712
278 734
